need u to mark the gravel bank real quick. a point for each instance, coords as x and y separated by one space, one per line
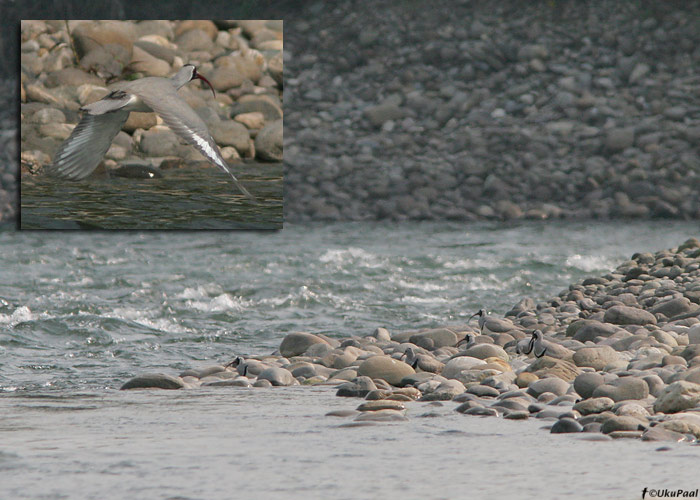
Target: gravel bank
473 110
617 355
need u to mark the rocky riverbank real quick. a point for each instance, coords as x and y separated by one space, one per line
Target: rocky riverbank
475 110
621 359
242 59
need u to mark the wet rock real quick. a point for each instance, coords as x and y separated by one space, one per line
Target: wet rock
137 171
386 368
566 425
277 376
296 344
154 381
359 387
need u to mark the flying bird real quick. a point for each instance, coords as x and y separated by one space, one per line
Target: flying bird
80 154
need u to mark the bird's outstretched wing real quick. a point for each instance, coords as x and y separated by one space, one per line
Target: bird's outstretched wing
80 154
183 120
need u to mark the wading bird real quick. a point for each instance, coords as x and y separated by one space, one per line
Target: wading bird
468 340
80 154
535 345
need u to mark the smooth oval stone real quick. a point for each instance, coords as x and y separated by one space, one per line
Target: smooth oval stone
467 405
342 413
483 391
511 404
296 344
616 423
386 368
566 425
555 385
454 367
516 415
660 434
623 389
386 415
592 427
483 351
384 404
154 381
236 382
586 383
625 434
625 315
262 383
481 412
277 376
597 357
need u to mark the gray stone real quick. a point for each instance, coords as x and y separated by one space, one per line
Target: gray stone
483 351
358 387
673 307
566 425
597 357
678 396
269 143
618 139
381 113
296 344
624 315
622 424
192 40
231 133
594 405
483 391
277 376
386 368
554 385
154 381
586 383
623 388
591 330
440 337
159 142
455 366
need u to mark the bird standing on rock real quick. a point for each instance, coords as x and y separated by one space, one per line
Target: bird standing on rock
468 340
535 345
80 154
488 324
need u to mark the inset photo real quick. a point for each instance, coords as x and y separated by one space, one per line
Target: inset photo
151 124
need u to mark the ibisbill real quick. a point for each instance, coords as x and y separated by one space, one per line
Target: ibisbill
489 324
535 345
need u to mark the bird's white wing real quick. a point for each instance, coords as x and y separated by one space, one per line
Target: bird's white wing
183 120
80 154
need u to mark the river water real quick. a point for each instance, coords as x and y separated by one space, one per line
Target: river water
187 198
80 313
